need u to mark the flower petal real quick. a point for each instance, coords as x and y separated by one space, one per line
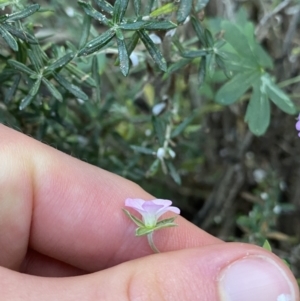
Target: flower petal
135 203
171 208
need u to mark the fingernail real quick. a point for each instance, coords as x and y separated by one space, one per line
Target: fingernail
255 278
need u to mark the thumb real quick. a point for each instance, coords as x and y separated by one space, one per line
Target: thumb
225 272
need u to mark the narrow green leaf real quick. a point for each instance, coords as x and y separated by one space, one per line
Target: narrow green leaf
12 89
178 65
184 10
182 126
202 71
137 7
86 27
173 172
163 10
89 10
159 129
130 46
120 7
61 62
22 54
132 43
153 50
148 7
221 64
97 43
81 75
8 38
25 102
20 67
96 77
211 64
22 35
29 10
36 86
200 4
236 87
105 6
133 25
76 91
123 57
39 54
142 150
194 53
148 25
200 31
160 25
153 169
56 94
137 221
32 93
281 100
258 110
33 60
208 38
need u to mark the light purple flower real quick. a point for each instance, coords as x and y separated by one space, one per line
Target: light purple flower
151 211
298 125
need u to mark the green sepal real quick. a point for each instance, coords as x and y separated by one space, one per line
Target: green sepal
143 231
166 223
267 246
137 221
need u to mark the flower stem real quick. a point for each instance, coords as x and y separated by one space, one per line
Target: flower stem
151 243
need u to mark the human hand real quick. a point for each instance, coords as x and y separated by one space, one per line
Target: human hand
62 217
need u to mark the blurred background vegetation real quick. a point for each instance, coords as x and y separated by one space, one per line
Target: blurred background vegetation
204 116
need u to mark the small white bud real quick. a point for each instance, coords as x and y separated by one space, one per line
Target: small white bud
155 38
160 154
171 153
158 108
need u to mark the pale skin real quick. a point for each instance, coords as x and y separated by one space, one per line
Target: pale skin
63 217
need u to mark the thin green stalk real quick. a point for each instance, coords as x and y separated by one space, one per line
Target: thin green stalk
151 243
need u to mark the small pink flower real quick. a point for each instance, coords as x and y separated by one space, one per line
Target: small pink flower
151 211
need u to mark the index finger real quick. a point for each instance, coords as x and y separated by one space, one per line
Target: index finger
71 211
